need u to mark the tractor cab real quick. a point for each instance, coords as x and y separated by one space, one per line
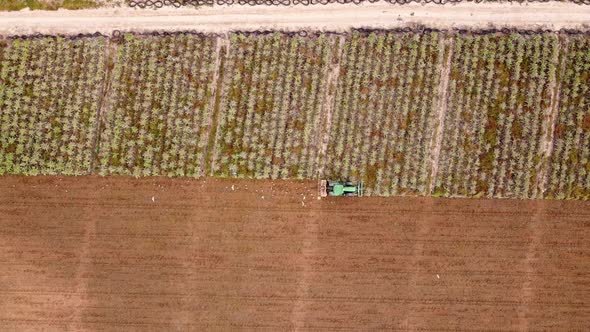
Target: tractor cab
341 188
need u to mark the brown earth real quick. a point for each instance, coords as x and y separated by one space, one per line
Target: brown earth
88 253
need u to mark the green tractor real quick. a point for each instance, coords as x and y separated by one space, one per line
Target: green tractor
341 188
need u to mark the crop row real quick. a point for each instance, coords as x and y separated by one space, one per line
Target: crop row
499 98
269 118
383 119
49 93
156 119
569 175
496 115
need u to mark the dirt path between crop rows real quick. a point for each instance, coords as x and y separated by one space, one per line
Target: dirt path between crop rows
328 105
212 127
335 17
445 66
551 120
117 253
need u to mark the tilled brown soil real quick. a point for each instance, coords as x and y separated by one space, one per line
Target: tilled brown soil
88 253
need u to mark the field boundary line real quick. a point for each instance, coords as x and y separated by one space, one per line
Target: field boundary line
443 96
549 127
209 155
328 106
103 102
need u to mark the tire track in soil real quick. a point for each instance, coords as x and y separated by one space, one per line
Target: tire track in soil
81 288
549 126
184 316
443 96
328 107
308 251
207 163
527 293
413 264
104 101
80 296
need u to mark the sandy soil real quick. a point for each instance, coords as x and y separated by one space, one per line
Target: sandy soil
336 17
87 253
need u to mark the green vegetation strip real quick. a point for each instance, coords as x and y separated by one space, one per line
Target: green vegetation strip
499 97
49 93
158 115
154 119
11 5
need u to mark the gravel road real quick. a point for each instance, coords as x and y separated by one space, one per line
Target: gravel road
335 17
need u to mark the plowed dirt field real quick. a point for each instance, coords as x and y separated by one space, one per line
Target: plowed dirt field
88 253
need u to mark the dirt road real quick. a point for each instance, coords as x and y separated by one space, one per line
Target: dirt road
335 17
122 254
